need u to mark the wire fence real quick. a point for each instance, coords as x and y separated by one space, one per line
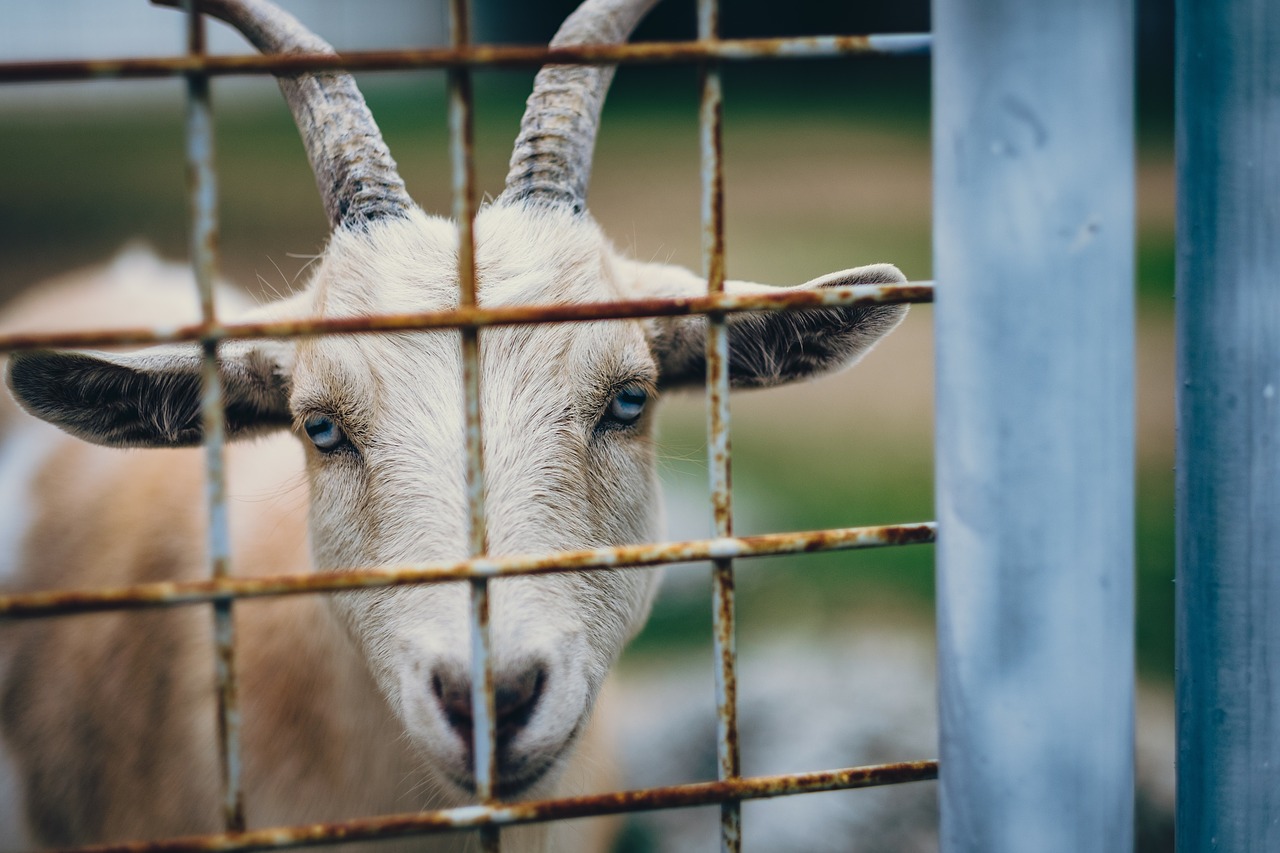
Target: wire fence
223 588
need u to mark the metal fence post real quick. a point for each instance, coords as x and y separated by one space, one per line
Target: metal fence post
1228 133
1033 241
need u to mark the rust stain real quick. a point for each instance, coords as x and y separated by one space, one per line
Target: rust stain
909 535
228 718
727 661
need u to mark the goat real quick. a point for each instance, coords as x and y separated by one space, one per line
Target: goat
358 703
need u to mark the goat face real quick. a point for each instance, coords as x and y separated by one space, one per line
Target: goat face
566 410
568 461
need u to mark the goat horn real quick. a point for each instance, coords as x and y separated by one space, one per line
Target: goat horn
355 174
551 162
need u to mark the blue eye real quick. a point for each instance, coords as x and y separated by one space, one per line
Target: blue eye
324 433
627 406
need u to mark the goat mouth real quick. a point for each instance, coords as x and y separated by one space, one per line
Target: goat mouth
514 782
515 786
508 787
516 779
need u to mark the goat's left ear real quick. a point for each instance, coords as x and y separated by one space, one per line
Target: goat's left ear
151 398
770 348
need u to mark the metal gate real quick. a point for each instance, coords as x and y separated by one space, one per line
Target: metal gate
223 589
1034 248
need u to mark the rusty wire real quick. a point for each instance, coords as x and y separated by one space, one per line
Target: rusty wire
724 647
538 811
484 738
475 317
177 593
222 589
474 56
202 179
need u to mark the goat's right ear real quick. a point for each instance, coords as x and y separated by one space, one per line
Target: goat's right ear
768 348
151 398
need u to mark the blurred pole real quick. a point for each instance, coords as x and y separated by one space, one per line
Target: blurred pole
1228 141
1033 241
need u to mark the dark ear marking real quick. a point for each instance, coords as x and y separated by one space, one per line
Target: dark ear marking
147 399
770 348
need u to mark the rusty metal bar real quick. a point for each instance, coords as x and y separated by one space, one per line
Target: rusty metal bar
538 811
724 648
176 593
477 317
474 56
202 180
484 735
462 159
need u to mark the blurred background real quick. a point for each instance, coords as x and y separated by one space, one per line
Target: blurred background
827 166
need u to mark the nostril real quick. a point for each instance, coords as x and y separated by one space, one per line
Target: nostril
516 699
454 695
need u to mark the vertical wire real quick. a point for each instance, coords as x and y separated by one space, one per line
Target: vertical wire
204 240
726 681
462 159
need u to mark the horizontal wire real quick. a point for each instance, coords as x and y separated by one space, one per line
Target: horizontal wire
476 56
177 593
466 317
539 811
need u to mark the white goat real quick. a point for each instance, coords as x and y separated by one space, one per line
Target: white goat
358 703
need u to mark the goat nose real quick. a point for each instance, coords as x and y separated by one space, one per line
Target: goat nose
516 695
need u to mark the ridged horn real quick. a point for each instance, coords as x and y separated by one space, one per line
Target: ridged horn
551 162
355 174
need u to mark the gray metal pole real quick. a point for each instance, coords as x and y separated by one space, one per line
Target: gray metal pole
1033 257
1228 149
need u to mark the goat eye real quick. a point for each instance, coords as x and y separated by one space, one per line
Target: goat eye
627 406
324 433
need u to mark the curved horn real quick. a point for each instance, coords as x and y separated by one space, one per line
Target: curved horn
551 162
355 174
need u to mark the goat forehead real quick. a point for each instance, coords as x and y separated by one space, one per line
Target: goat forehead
410 264
588 351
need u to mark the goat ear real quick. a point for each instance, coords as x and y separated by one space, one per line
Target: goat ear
151 398
770 348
